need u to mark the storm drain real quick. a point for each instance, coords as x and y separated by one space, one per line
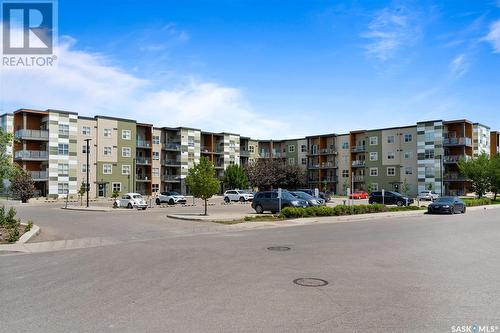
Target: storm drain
310 282
278 248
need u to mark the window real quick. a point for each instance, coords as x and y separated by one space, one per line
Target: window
304 161
84 168
126 152
391 171
429 136
190 141
156 172
373 140
107 169
251 149
408 155
429 172
345 145
408 138
390 139
373 156
86 130
125 134
303 149
117 187
125 169
291 148
62 188
156 141
107 151
84 149
156 188
345 173
156 155
374 187
63 169
408 171
429 154
107 132
62 149
63 129
344 158
374 172
390 155
291 161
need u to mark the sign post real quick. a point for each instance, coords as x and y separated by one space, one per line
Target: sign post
383 197
316 192
348 195
279 198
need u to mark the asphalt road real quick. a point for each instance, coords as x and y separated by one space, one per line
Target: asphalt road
420 274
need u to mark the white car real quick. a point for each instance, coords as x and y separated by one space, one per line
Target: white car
237 195
428 195
131 200
171 198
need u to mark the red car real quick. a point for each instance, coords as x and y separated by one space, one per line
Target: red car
359 195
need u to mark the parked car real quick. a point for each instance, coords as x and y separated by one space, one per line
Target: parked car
238 195
428 195
131 200
322 195
312 201
450 205
170 197
390 198
268 201
359 195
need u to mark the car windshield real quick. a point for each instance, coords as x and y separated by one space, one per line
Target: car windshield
425 192
302 195
446 200
174 193
287 195
137 196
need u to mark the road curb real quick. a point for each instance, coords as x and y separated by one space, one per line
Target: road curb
87 209
194 218
35 230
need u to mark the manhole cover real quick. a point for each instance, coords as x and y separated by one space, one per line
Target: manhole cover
310 282
278 248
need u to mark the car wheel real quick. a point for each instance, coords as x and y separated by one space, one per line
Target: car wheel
452 210
226 199
158 202
242 199
463 210
129 206
171 202
144 208
259 209
399 203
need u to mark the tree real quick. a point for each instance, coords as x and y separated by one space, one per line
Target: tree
81 192
202 180
268 173
7 169
235 177
429 186
405 188
23 187
478 171
494 174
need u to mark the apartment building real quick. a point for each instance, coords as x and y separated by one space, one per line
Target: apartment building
494 143
322 162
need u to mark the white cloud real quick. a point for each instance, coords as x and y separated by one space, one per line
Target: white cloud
493 36
390 30
459 66
89 84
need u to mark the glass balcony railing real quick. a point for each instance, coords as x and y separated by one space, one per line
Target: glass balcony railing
32 134
463 141
31 154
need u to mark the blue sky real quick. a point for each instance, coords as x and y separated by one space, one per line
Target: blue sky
272 68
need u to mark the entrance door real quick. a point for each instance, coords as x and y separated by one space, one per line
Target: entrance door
101 190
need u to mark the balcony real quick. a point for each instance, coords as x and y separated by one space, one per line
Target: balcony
326 151
328 165
142 161
359 178
171 146
244 153
219 165
331 179
39 175
171 178
358 149
457 142
358 164
453 159
454 177
313 166
175 163
142 178
28 134
143 144
31 155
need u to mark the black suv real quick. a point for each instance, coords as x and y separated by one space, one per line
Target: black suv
322 195
268 201
390 198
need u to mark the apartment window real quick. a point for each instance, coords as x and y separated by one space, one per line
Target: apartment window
345 173
126 152
374 172
107 169
291 148
107 151
155 172
63 149
107 132
156 155
373 156
63 169
373 140
291 161
84 168
408 155
344 158
429 154
84 149
62 188
125 169
304 161
429 136
155 188
374 187
303 149
86 130
345 145
156 139
63 129
190 141
408 171
429 172
251 149
126 134
390 139
391 171
408 138
390 155
117 187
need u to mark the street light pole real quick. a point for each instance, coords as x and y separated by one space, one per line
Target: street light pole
88 170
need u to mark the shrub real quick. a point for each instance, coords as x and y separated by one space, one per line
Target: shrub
477 202
13 234
340 210
29 226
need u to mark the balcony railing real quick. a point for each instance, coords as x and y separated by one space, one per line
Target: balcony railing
359 178
32 134
454 176
142 178
170 178
327 165
455 158
39 175
143 160
172 162
171 146
314 166
327 151
464 141
143 144
358 149
330 179
358 164
244 152
31 154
